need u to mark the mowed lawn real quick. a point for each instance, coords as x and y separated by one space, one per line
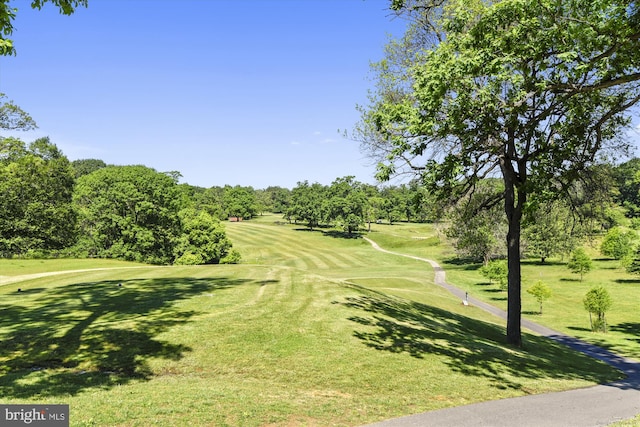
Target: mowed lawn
311 329
564 311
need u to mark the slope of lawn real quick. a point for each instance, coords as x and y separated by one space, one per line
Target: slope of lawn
311 329
564 311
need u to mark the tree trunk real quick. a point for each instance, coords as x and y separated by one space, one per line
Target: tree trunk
514 298
514 200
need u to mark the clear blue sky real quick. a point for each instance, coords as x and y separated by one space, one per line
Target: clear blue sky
248 92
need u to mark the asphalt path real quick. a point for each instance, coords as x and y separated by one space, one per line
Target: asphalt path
594 406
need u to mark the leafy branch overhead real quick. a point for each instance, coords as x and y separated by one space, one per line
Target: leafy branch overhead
8 15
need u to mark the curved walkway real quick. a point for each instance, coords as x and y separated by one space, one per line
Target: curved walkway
600 405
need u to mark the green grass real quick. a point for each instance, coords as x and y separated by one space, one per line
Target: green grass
311 329
564 311
15 267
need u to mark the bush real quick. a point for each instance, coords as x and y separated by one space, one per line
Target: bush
233 257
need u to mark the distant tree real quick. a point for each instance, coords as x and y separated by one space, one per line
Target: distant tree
212 201
36 185
390 208
308 204
13 117
347 203
580 263
618 243
476 230
597 301
550 230
541 292
627 176
496 270
8 14
263 202
129 212
86 166
279 198
239 201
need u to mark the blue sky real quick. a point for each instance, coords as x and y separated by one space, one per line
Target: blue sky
240 92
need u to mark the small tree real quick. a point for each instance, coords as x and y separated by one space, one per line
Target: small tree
496 270
597 301
541 292
580 263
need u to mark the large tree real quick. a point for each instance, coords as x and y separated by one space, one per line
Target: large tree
530 91
36 185
129 212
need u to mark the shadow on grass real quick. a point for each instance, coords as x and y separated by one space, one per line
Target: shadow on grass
336 234
628 281
97 334
630 328
466 345
464 263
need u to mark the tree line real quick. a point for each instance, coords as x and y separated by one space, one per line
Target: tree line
52 206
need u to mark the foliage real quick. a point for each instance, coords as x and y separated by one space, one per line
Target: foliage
8 14
128 212
347 203
550 230
477 231
534 90
580 263
233 257
86 166
308 204
239 201
597 301
36 184
618 243
541 292
202 239
496 270
13 117
627 176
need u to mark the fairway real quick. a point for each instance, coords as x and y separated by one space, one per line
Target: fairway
310 329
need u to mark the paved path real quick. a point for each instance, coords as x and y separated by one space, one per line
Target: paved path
594 406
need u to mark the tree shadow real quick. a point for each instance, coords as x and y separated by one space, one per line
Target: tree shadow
466 263
629 328
575 280
547 263
467 345
629 281
97 334
579 328
337 234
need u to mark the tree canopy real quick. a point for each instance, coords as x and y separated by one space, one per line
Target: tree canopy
129 212
36 185
530 91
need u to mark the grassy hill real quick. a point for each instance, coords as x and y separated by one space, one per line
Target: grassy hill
311 329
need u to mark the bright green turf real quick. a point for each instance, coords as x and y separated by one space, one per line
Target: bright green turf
564 311
311 329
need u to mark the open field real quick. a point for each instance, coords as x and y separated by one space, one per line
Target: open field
311 329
